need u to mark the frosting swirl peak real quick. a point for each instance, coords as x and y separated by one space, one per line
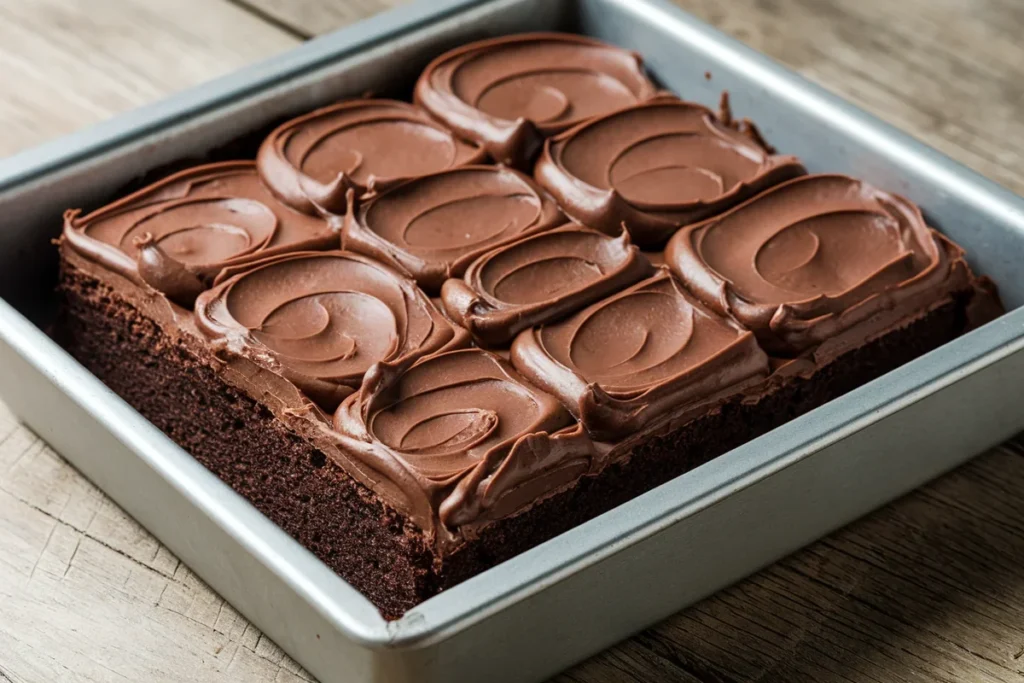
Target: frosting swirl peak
509 93
649 351
320 319
435 226
178 233
540 279
815 257
367 146
460 438
654 167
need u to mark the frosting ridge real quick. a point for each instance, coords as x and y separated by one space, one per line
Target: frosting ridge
311 162
654 167
321 319
539 279
509 93
649 351
814 257
435 226
178 233
460 438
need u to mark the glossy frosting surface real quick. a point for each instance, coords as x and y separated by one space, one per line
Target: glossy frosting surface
322 319
364 145
508 93
435 226
539 279
460 438
751 269
177 234
648 351
654 167
814 257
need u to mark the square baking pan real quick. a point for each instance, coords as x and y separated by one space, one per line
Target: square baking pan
588 588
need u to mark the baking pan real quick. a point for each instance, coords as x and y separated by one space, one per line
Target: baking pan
586 589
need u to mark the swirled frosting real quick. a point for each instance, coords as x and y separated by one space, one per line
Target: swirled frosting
654 167
177 234
647 352
320 319
815 257
540 279
435 226
509 93
460 438
312 161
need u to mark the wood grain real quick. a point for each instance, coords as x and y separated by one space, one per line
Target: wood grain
313 17
67 63
929 589
947 71
86 594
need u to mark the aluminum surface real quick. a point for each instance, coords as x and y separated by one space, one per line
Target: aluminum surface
578 593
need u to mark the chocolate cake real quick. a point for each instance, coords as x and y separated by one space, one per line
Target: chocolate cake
419 363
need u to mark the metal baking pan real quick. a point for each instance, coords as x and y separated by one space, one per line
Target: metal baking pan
604 580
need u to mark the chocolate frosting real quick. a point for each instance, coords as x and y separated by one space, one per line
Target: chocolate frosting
367 146
763 258
648 352
816 257
509 93
435 226
177 234
540 279
460 438
320 319
654 167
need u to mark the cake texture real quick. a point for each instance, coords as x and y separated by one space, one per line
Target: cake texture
419 364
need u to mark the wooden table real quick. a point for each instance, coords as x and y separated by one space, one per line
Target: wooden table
929 588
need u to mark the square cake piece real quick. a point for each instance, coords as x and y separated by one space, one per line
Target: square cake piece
419 364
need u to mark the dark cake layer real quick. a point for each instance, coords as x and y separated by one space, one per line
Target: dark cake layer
370 545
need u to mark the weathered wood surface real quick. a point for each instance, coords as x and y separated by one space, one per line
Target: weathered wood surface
67 63
929 589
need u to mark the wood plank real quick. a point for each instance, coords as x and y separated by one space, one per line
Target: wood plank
945 71
313 17
86 594
67 63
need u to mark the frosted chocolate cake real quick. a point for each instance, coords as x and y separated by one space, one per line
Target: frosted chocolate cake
423 338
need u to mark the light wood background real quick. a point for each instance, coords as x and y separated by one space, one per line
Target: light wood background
929 589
